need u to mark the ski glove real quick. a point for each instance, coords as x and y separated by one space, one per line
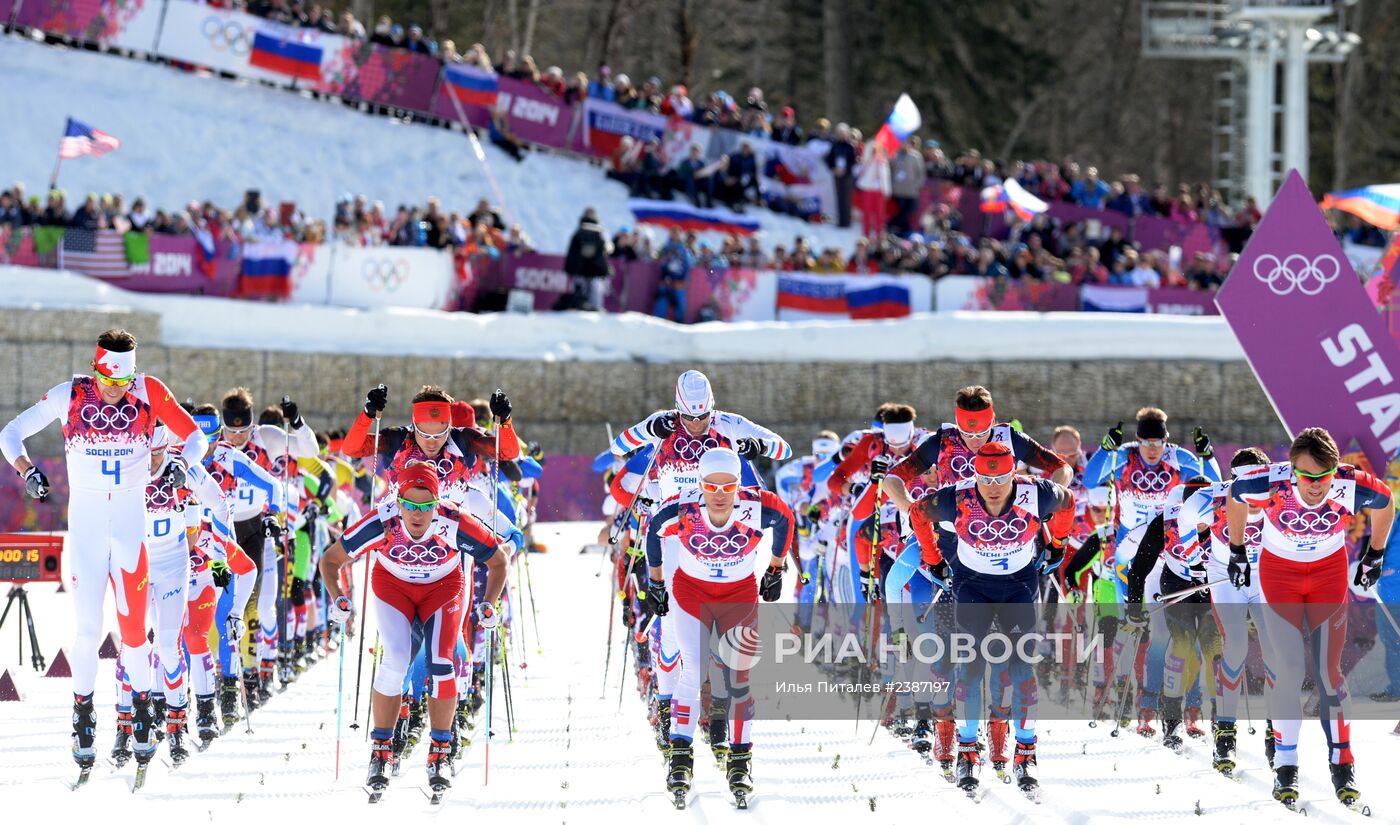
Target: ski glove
376 400
870 585
1114 439
1050 559
879 465
271 528
1135 617
659 601
36 484
1239 566
749 447
339 610
222 575
1368 568
500 405
1202 441
290 412
486 616
772 584
814 512
938 574
235 628
661 426
176 471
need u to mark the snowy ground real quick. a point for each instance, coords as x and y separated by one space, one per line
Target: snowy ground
575 758
190 137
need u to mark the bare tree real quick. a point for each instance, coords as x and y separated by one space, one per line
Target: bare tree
530 15
836 52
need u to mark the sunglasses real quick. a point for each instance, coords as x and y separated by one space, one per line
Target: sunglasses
416 507
727 487
435 436
1001 479
983 434
1322 476
113 382
237 430
1152 443
701 417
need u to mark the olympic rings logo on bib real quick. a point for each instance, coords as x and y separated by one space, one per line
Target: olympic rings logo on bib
1308 521
226 35
1296 272
159 496
108 418
1253 534
716 545
690 449
960 466
1150 481
998 531
426 554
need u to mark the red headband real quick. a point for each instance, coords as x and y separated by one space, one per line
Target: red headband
335 444
975 421
463 415
994 459
432 412
421 475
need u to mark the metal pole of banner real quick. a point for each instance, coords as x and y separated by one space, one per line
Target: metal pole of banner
330 274
160 29
479 152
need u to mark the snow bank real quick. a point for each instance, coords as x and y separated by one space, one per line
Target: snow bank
1005 336
190 137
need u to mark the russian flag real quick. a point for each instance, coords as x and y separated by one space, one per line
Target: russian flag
267 268
904 120
887 300
280 49
1376 205
811 298
681 214
470 86
1011 195
607 124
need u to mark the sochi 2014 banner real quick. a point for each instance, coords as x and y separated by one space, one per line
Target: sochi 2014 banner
1310 332
124 24
532 114
372 277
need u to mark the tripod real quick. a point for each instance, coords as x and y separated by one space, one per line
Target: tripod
17 595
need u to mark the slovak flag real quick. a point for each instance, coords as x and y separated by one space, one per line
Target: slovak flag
81 139
904 120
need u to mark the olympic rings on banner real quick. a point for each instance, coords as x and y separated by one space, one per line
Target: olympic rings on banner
1297 272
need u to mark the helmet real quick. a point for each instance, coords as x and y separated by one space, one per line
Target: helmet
693 393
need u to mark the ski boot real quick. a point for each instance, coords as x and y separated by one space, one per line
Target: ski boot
1144 725
285 674
945 749
922 742
719 734
381 760
252 687
996 746
121 747
266 669
175 734
400 740
1286 785
681 769
1193 724
299 663
205 725
1224 758
439 769
1171 724
965 774
84 733
143 745
158 703
417 713
228 700
901 727
739 774
462 715
1269 742
1021 767
1344 783
478 684
663 724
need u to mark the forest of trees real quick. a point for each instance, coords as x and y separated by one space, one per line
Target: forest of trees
1014 78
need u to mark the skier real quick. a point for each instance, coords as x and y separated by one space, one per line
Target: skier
987 531
1308 502
702 546
107 419
416 538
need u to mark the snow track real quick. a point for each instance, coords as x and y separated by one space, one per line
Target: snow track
574 758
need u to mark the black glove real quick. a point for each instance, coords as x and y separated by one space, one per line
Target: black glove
748 447
271 528
662 426
858 489
36 484
771 586
290 412
1051 558
1368 565
1199 574
1239 566
870 585
1114 439
311 510
1134 616
938 574
1202 442
222 575
500 405
376 400
879 465
814 513
658 600
176 470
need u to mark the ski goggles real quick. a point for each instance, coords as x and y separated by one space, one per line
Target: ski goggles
1153 443
435 436
1322 476
701 417
238 430
418 507
726 487
113 382
1004 478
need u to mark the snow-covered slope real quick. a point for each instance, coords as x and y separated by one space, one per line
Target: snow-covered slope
574 757
188 137
221 323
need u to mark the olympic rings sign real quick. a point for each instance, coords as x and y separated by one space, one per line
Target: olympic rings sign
227 35
384 274
1297 272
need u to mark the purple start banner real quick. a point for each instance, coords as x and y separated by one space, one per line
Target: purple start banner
1310 332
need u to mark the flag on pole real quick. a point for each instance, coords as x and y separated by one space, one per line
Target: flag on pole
81 139
1011 195
1378 205
904 120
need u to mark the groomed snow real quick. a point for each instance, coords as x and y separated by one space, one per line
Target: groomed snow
576 758
191 137
1005 336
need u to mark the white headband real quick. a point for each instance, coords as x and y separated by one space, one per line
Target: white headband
116 364
899 433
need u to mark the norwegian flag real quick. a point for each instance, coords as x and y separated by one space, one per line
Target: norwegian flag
81 139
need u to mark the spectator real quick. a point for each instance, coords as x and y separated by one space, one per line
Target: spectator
553 81
649 180
873 189
586 264
650 98
1183 209
577 89
416 43
626 162
861 260
1249 215
1131 201
447 52
677 103
491 216
623 247
936 166
1160 202
691 177
1140 271
841 159
907 175
987 264
383 32
1090 190
1202 272
502 137
602 88
527 71
624 95
1023 266
55 213
738 178
478 56
676 259
820 132
350 27
785 128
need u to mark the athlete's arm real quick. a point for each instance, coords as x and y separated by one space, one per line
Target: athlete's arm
1373 496
924 530
52 407
358 539
1102 464
860 455
300 442
777 516
736 427
474 440
477 541
169 412
924 457
663 518
1250 486
1030 452
638 435
249 472
359 441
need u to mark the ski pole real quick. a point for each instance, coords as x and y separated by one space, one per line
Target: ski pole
622 680
339 702
364 599
231 624
489 691
612 611
624 515
510 702
373 666
534 614
1165 601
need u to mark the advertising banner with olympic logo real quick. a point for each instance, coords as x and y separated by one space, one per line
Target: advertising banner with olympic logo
394 276
244 45
1310 332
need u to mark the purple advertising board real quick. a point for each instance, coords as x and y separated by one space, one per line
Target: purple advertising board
1180 301
177 265
7 8
1310 332
632 287
380 74
532 114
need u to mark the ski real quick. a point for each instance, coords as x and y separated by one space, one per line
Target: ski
84 774
375 792
679 798
139 781
976 794
1033 793
742 798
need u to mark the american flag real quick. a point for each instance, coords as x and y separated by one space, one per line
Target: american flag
99 253
81 139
